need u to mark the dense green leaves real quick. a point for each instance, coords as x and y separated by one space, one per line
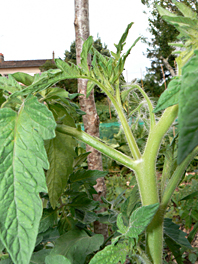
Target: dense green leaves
188 137
76 245
23 158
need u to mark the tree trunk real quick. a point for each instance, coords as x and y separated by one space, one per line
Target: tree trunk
91 119
168 66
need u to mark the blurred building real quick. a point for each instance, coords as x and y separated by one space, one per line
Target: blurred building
26 66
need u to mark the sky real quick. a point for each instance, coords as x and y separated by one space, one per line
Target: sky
33 29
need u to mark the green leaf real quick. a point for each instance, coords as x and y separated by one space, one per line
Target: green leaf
76 245
41 82
83 202
192 257
48 219
172 231
71 71
23 78
170 96
78 160
60 151
175 249
164 12
193 233
140 219
180 21
39 257
186 11
2 98
121 43
90 87
84 54
23 158
128 206
129 50
122 228
188 132
61 114
57 259
56 92
6 261
83 175
189 196
111 255
9 84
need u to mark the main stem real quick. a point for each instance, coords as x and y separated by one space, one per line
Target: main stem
146 178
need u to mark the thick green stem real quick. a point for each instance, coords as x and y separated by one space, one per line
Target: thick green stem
99 145
146 177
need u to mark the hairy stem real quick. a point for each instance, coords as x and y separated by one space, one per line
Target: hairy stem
150 106
99 145
146 177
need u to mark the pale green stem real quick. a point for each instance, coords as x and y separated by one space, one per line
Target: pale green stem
150 106
118 94
136 109
146 177
97 144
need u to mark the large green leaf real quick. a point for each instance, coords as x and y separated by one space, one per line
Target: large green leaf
140 219
188 111
23 78
111 254
57 259
41 82
23 158
9 84
170 96
60 151
173 232
76 245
